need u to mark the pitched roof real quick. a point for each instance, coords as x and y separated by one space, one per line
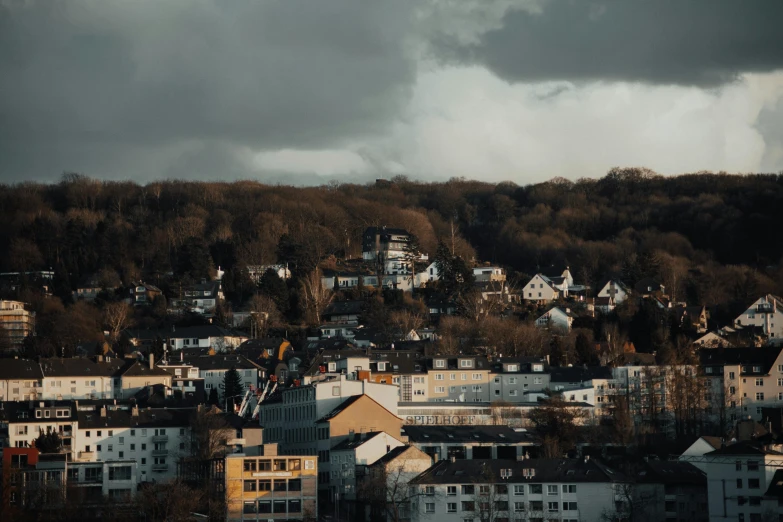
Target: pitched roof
21 369
394 453
671 472
344 307
147 417
346 404
545 470
82 367
775 488
357 440
141 369
579 373
762 358
221 362
743 448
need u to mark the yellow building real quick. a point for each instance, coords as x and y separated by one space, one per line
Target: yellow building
271 487
18 322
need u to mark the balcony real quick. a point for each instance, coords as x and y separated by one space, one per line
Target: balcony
160 438
160 452
86 455
160 467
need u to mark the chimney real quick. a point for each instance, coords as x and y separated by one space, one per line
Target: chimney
103 412
152 361
135 411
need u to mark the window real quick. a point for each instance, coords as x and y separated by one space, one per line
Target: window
120 473
551 490
760 396
731 375
519 489
250 485
453 376
279 465
569 488
468 490
438 376
466 363
484 490
278 506
519 507
264 485
249 507
739 483
759 382
250 465
440 363
468 506
753 483
501 489
440 389
569 506
294 506
279 485
476 376
536 489
753 465
264 506
122 441
451 507
295 485
429 491
451 490
553 507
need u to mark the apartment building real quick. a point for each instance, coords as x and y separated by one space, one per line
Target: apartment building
26 420
513 379
672 491
16 321
349 456
20 380
213 368
463 378
357 415
81 378
138 375
289 415
156 438
739 476
594 385
271 487
398 467
531 489
745 379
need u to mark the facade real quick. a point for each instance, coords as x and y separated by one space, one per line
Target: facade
470 442
20 380
557 319
200 298
347 458
670 491
270 487
256 272
738 478
540 289
205 336
766 313
81 378
389 242
530 489
143 294
140 375
397 468
513 379
213 368
16 321
615 290
456 379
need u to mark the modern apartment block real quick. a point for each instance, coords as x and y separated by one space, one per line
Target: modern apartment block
271 487
16 321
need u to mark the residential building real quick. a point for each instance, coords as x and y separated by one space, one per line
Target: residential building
81 378
213 368
391 243
513 379
615 290
739 475
27 419
669 490
700 447
200 298
486 274
349 456
344 312
766 312
256 272
16 321
542 289
271 486
462 378
143 294
557 319
139 375
388 478
20 380
530 489
208 336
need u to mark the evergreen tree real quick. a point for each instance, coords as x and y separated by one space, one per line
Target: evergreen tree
49 442
272 286
232 386
585 352
455 278
213 397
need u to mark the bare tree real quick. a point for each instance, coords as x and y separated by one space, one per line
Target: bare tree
172 501
117 317
490 498
264 312
385 489
405 321
209 434
315 296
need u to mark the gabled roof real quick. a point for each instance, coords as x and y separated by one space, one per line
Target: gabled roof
147 417
452 362
671 472
775 488
396 452
221 362
357 440
743 448
21 369
346 404
763 357
141 369
344 307
204 331
82 367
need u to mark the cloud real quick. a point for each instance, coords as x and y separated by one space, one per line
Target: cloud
114 75
694 42
468 122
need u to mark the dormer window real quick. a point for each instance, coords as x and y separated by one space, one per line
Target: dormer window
440 363
466 363
512 368
381 366
332 367
538 367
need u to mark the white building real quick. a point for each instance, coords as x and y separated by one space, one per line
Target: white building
483 274
557 319
767 313
616 290
20 380
81 378
257 271
362 450
530 489
213 368
738 477
204 336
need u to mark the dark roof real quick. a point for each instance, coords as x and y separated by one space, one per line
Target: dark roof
357 440
634 359
671 472
83 367
328 356
397 361
221 362
579 373
22 369
452 362
147 417
743 448
481 434
775 488
141 369
393 454
545 470
339 409
203 331
344 307
715 442
641 286
763 357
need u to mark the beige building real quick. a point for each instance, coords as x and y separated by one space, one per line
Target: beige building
271 487
140 375
463 379
17 322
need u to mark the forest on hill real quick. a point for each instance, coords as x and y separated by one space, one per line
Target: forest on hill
711 239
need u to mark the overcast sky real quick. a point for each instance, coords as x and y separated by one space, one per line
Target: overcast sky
305 91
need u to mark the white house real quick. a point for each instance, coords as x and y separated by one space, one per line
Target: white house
738 477
204 336
363 449
766 312
541 289
257 271
616 290
80 378
556 318
213 368
20 380
703 445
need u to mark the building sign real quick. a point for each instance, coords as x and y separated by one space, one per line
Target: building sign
442 420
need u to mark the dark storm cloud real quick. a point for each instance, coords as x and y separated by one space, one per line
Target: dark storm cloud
87 85
690 42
